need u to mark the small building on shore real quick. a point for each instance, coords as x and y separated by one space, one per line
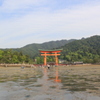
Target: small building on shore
78 62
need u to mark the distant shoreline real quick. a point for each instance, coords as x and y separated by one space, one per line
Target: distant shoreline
30 65
15 65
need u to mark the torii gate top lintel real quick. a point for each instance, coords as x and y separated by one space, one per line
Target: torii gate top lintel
50 53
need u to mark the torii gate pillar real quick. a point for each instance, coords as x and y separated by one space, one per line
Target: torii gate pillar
56 60
45 60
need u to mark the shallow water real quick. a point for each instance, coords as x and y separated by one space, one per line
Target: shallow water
47 84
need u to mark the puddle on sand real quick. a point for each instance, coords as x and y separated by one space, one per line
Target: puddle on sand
47 84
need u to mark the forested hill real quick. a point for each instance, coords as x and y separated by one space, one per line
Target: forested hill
86 50
32 49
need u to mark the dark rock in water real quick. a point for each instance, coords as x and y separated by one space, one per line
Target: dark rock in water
27 96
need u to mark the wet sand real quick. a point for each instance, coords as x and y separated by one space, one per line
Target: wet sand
86 77
77 82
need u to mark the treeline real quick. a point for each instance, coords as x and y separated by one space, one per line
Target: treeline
12 57
86 50
80 55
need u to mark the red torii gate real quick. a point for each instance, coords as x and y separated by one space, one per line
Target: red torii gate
46 53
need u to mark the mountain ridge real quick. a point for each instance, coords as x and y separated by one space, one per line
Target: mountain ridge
32 49
86 50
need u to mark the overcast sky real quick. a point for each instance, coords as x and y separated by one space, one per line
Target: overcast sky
24 22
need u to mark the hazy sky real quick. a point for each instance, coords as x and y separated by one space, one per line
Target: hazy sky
24 22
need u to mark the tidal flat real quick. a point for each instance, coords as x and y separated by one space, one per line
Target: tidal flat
71 82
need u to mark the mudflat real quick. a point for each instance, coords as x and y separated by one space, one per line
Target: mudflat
73 77
82 78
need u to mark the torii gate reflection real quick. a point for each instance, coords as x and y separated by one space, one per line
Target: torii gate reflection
56 79
57 76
